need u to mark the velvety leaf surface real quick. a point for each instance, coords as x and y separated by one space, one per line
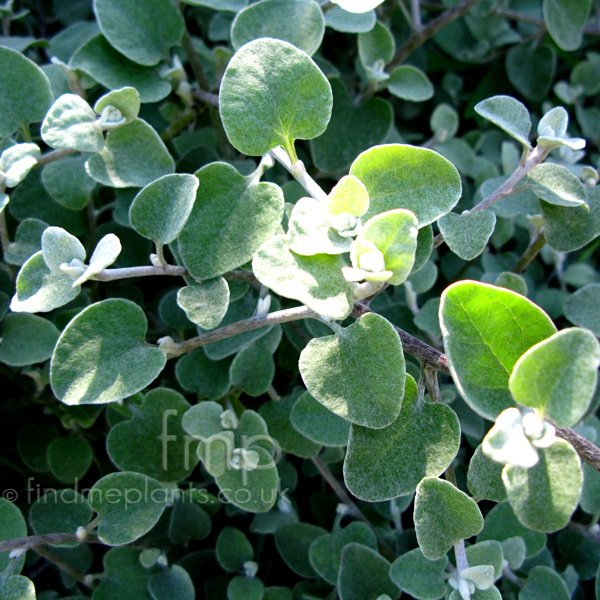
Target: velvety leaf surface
544 496
557 185
134 156
402 176
233 549
124 576
143 32
409 83
581 308
102 355
67 181
272 94
484 478
27 339
418 576
231 217
126 100
467 235
565 20
543 582
293 543
299 22
172 582
252 370
358 373
486 329
558 376
508 114
205 303
12 525
197 373
382 464
70 457
161 209
443 516
25 93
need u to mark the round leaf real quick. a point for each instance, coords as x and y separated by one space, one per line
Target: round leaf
172 582
418 576
359 373
409 83
565 20
70 457
161 209
508 114
581 308
205 303
126 101
467 235
102 355
27 339
272 94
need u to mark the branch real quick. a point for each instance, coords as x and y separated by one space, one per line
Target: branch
587 451
173 270
418 38
281 316
532 251
206 97
32 541
64 566
52 156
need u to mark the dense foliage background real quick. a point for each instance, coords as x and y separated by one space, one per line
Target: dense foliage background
126 98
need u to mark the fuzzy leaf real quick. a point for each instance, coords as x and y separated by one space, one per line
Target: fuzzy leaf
27 339
557 185
105 254
409 83
205 303
508 114
565 20
467 235
581 308
418 576
17 161
126 100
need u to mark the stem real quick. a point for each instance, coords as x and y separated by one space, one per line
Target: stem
587 451
282 316
33 541
63 566
177 126
429 374
418 38
416 15
206 97
194 60
342 494
4 238
532 251
299 172
52 156
174 270
272 393
461 556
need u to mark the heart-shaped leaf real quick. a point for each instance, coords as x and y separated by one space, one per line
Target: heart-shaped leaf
60 247
71 125
27 339
25 92
28 241
12 525
558 376
272 94
443 516
144 33
124 574
382 464
205 303
298 22
197 373
351 130
486 329
418 576
70 457
402 176
467 235
544 582
153 441
316 281
508 114
128 506
67 181
102 356
358 373
530 68
545 496
232 216
253 369
581 308
134 156
161 209
293 542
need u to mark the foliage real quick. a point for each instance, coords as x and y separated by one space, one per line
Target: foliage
237 237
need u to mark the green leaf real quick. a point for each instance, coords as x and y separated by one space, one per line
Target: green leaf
557 185
71 125
32 443
28 241
376 47
128 506
486 329
443 516
102 356
382 464
558 376
232 216
565 20
552 131
124 576
570 228
358 6
325 552
27 339
293 542
545 496
105 254
12 525
58 511
444 122
276 414
203 420
41 290
353 128
17 587
419 577
581 308
530 68
349 195
316 281
60 247
245 588
401 176
70 457
134 156
111 69
348 22
67 181
195 372
298 22
126 101
205 303
508 114
172 582
253 369
160 210
144 33
272 94
467 235
358 373
318 423
25 92
225 5
409 83
364 573
544 582
17 161
153 441
233 549
484 478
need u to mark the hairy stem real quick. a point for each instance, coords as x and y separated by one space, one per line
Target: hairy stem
174 270
52 156
532 251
